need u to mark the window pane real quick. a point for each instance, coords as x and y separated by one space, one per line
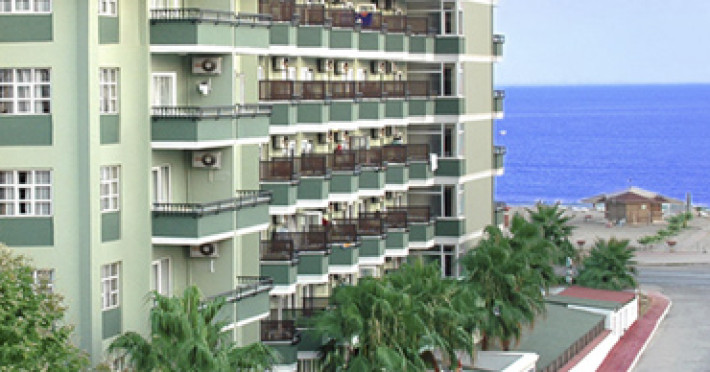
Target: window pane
6 178
7 209
7 193
42 192
24 75
22 5
5 91
6 108
5 73
5 6
42 75
24 92
42 177
42 209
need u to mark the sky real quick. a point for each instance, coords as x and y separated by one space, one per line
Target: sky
572 42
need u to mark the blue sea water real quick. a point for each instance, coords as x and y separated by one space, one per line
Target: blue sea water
568 143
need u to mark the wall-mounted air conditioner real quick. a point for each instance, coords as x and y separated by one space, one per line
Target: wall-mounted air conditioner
279 63
325 65
341 67
207 65
208 250
207 159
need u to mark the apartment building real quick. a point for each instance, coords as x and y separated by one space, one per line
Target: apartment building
263 150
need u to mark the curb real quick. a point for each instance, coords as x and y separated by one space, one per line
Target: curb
650 336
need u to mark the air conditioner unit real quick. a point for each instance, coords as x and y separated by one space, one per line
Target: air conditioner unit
207 65
208 250
378 67
279 63
325 65
341 67
206 159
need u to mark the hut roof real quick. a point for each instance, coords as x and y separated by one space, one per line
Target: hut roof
631 195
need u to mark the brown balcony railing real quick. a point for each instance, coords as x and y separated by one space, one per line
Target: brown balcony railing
419 88
369 20
311 14
278 250
344 160
370 223
371 157
312 90
341 17
246 286
417 152
395 23
276 90
314 164
279 331
396 219
395 89
206 15
342 89
244 198
280 10
369 89
338 231
304 241
394 153
418 25
415 214
279 169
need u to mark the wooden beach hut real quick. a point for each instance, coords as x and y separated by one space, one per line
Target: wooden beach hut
633 205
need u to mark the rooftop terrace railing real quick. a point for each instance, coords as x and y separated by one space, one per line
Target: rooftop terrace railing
210 112
244 198
246 286
207 15
286 90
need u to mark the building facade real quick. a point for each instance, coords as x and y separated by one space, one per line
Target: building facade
265 151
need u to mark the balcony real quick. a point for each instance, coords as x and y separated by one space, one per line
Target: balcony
279 261
202 27
281 177
449 45
451 167
498 98
397 240
420 224
450 227
499 214
346 176
449 106
288 90
498 41
203 220
498 157
215 123
315 180
250 297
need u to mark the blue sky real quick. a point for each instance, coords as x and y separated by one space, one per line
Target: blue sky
604 41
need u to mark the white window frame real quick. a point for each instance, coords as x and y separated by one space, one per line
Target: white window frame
110 286
164 267
110 188
109 78
164 174
173 4
34 5
173 77
108 8
33 89
14 187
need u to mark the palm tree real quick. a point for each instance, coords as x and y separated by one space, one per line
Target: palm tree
508 286
609 266
555 228
186 336
539 252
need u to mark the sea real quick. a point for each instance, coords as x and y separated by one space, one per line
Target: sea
565 143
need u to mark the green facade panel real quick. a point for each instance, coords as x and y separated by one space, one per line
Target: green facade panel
372 246
343 111
372 41
345 255
283 273
396 43
109 30
420 107
421 44
343 39
449 167
251 37
255 127
371 110
313 113
191 33
397 239
313 37
252 306
421 232
450 227
191 130
110 226
449 106
420 171
313 264
396 109
344 183
26 130
283 193
397 174
449 45
282 34
314 188
288 354
25 28
110 129
253 216
311 340
372 179
27 231
188 226
111 323
283 114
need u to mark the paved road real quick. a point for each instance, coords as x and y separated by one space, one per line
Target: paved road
682 342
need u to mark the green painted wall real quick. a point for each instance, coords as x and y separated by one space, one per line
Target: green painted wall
23 28
110 226
27 231
26 130
109 30
110 129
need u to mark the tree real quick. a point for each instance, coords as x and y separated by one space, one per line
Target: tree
398 322
185 336
539 252
32 336
509 287
609 266
555 228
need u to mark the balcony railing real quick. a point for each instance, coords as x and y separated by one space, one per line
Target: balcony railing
314 164
396 219
279 331
304 241
284 90
206 15
415 214
246 286
280 169
394 153
417 152
210 112
311 14
371 157
244 198
338 232
370 223
278 250
499 150
345 160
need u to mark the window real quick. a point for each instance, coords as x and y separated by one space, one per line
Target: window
110 276
44 280
108 90
163 4
110 188
25 6
26 193
161 184
160 280
108 8
24 91
164 89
